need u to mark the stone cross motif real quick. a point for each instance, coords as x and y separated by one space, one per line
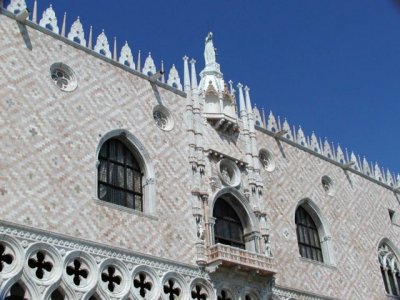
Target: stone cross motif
4 258
77 271
40 265
224 296
171 291
198 294
141 284
110 277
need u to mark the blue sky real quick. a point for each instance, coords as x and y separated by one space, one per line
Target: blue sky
331 66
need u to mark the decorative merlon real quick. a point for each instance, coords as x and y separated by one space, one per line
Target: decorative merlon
327 149
77 35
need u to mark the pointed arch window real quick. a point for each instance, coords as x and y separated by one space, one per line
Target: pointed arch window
17 292
228 228
307 236
119 175
58 294
389 266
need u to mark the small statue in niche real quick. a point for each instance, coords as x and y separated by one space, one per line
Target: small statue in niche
200 229
225 175
267 251
264 160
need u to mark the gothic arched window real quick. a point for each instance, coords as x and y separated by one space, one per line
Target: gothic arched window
119 175
389 269
228 228
307 236
17 292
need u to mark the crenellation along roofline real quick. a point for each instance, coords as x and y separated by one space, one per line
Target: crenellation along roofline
91 52
345 166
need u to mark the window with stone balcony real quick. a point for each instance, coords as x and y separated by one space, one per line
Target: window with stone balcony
228 228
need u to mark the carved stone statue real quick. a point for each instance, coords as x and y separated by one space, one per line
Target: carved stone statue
225 175
209 51
200 229
267 251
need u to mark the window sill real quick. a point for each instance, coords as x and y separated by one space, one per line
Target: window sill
392 297
318 263
125 209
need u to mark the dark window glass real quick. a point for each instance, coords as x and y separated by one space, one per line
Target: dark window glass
57 295
17 292
391 277
228 229
119 175
307 236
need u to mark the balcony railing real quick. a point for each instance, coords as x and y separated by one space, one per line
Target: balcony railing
228 256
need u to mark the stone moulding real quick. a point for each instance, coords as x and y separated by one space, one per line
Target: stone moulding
234 257
285 293
64 244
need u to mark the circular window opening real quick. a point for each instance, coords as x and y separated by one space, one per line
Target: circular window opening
327 184
63 77
267 160
163 118
228 172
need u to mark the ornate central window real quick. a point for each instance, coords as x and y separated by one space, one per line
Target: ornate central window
228 228
120 176
389 269
307 236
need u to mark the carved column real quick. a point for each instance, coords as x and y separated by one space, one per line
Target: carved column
210 231
395 283
389 286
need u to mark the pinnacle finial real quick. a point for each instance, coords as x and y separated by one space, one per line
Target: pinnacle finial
162 71
186 75
90 37
115 49
64 24
193 74
34 14
139 62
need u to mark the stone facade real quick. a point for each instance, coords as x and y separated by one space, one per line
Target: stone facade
60 101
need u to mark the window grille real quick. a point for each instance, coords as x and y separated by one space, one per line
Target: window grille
307 236
119 176
228 229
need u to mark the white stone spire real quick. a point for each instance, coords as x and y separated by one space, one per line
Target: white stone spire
34 13
193 74
90 37
230 86
115 49
139 62
243 111
162 72
248 101
186 75
64 23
